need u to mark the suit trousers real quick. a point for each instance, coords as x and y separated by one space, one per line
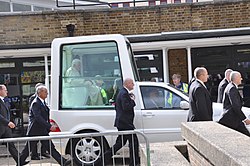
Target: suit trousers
6 132
120 142
48 145
242 128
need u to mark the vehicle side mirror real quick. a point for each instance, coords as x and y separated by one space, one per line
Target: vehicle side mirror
184 105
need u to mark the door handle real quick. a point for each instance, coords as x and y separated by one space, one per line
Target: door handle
148 114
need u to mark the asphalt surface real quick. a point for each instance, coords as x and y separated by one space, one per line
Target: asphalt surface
7 160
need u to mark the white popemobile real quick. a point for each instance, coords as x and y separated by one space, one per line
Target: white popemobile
77 106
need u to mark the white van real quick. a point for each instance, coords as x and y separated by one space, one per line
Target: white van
83 93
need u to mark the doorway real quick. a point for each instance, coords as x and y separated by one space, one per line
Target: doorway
20 75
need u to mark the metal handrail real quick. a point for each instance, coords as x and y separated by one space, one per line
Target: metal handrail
68 136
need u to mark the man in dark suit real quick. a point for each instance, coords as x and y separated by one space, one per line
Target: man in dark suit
34 154
232 116
200 104
6 125
39 126
124 121
223 85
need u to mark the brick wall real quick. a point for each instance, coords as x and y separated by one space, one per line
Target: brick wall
177 61
42 27
196 158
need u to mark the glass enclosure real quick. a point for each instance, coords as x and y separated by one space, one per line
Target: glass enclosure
90 75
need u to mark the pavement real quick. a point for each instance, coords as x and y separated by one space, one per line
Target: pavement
161 154
7 160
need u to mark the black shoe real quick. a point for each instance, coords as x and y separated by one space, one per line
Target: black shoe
46 155
35 158
24 163
67 162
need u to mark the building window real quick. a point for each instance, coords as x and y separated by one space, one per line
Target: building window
114 5
126 4
163 2
149 65
7 64
4 7
32 76
20 7
177 1
34 63
36 8
151 3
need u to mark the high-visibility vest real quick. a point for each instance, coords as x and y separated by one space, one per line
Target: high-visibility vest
184 88
104 96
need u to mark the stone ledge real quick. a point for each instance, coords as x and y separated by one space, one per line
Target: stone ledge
218 144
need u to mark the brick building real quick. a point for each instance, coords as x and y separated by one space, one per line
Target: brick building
179 37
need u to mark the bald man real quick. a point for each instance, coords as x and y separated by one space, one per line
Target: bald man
223 84
200 104
124 121
233 117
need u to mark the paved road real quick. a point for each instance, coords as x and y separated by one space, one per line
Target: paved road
6 160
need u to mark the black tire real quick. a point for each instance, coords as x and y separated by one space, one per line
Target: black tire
88 149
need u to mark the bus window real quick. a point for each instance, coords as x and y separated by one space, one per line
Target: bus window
88 72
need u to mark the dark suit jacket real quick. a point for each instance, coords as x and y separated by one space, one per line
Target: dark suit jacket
32 97
4 115
124 107
221 89
200 104
232 114
38 119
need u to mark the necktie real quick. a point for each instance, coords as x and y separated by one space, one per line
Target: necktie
46 106
7 108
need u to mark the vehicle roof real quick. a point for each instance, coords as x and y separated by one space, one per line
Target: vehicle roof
91 38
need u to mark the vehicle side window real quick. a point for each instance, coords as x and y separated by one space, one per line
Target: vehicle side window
90 75
159 98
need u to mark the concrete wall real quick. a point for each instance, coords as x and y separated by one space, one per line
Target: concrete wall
42 27
210 143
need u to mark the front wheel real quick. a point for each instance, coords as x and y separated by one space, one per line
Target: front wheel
88 149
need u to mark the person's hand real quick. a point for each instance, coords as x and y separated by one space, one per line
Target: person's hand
11 125
132 96
52 128
247 121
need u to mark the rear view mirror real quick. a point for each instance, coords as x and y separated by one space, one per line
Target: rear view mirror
184 105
